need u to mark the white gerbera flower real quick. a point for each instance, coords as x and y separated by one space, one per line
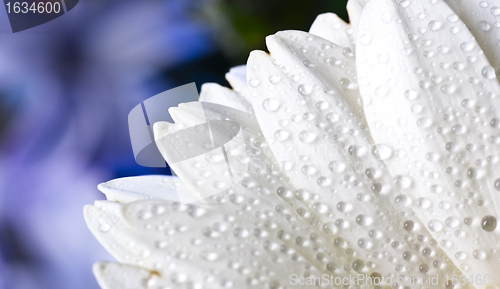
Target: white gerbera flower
384 163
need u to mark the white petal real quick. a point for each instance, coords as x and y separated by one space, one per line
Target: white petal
120 276
429 94
266 189
137 188
334 29
483 20
326 153
241 241
237 77
214 93
355 8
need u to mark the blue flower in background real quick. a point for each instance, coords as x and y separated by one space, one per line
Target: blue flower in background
66 88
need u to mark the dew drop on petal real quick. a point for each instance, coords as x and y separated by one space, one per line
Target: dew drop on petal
479 254
403 182
424 122
496 184
489 223
408 225
382 151
358 265
452 222
104 227
305 89
435 226
449 89
281 135
338 167
488 72
423 268
411 94
332 117
458 129
376 188
254 82
307 136
344 83
274 79
484 26
270 104
494 122
435 25
472 173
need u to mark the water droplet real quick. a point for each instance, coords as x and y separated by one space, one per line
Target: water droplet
254 82
489 223
467 46
408 225
401 200
411 94
488 72
241 233
495 11
309 170
449 89
332 117
344 83
435 226
376 188
424 122
484 26
274 79
358 265
307 136
382 151
320 208
362 220
496 184
104 227
403 182
270 104
479 254
281 135
338 167
339 242
407 255
452 222
458 129
494 122
472 173
435 25
305 89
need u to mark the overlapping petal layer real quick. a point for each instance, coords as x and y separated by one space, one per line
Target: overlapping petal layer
431 96
317 132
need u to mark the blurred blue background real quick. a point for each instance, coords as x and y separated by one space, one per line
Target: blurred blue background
66 88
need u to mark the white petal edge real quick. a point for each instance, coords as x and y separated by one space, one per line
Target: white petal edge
131 189
334 29
112 275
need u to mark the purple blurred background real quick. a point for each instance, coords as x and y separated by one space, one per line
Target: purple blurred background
66 88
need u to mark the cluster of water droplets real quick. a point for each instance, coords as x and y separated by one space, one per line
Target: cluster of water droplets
446 122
